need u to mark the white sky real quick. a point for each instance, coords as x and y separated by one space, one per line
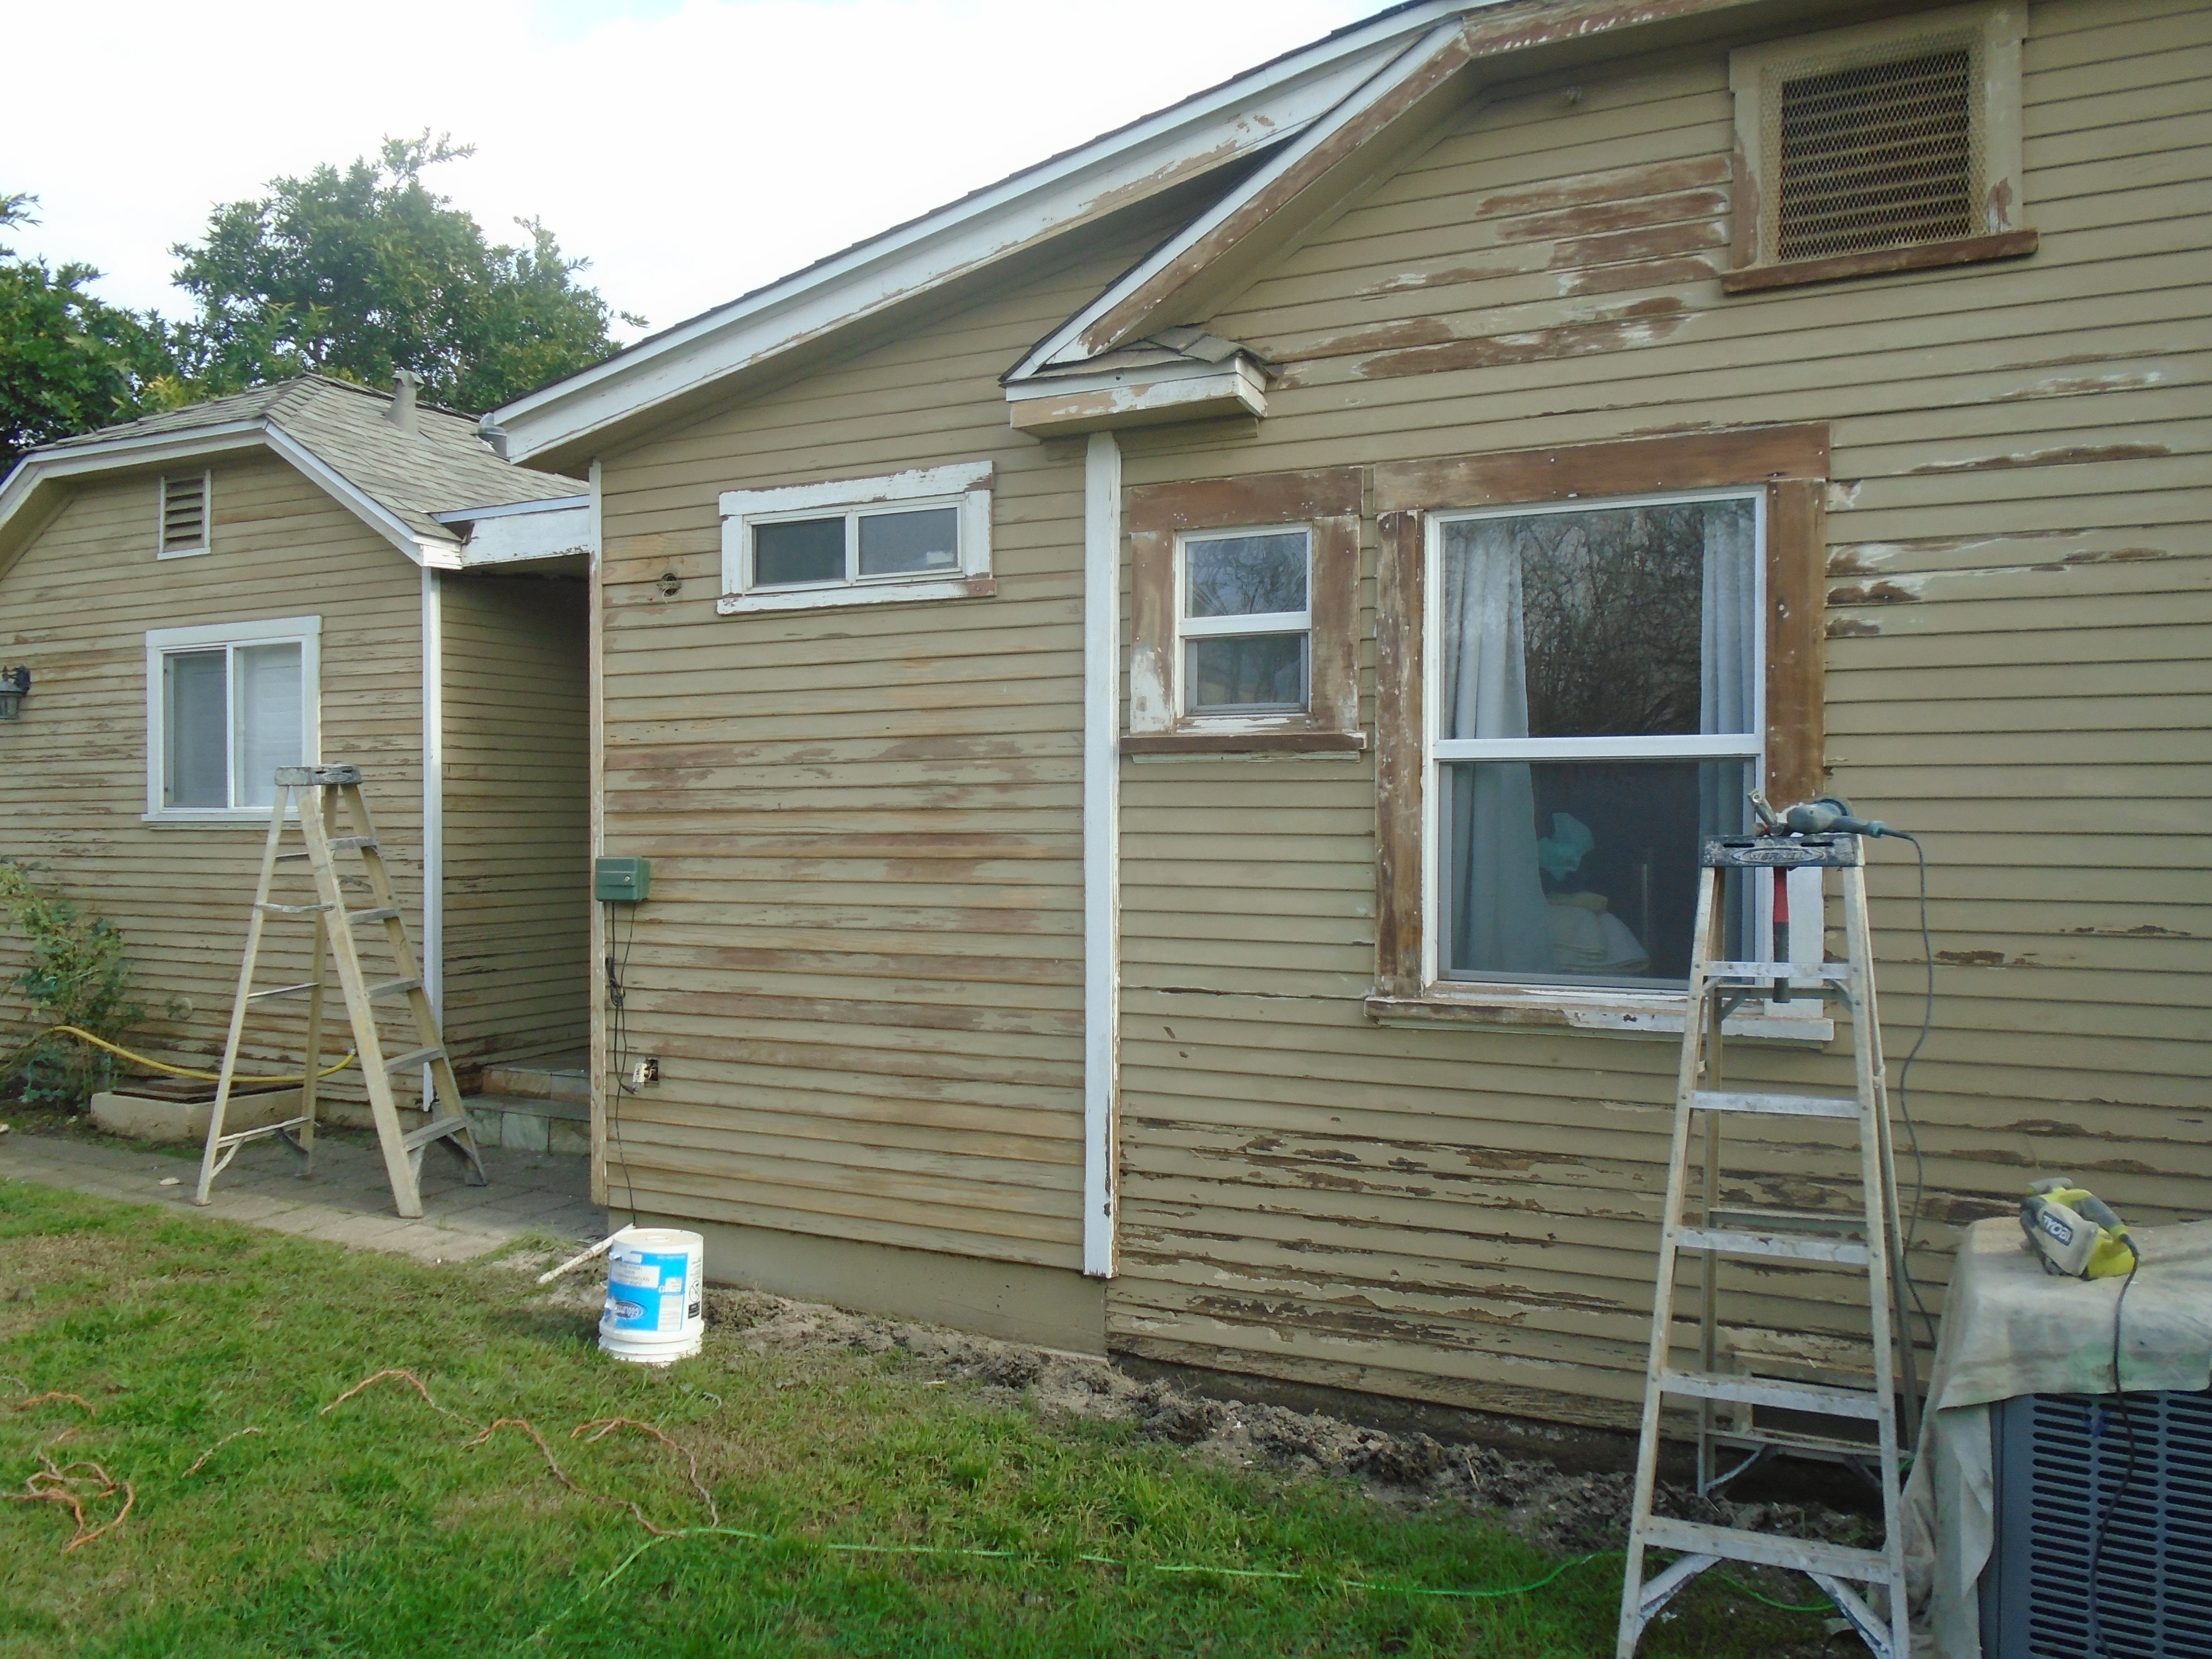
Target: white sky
692 149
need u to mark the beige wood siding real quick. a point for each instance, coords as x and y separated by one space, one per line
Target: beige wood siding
2017 665
860 967
76 606
517 745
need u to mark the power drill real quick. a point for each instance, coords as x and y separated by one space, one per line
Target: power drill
2073 1233
1828 815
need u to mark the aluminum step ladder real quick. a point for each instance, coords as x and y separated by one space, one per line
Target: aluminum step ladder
321 792
1809 1383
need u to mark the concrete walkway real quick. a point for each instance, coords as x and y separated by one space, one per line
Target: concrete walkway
346 1201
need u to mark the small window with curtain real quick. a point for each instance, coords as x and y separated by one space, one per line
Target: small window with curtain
920 535
228 705
1596 672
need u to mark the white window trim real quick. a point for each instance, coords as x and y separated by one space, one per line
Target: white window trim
206 543
307 632
966 485
1625 1008
1997 27
1187 626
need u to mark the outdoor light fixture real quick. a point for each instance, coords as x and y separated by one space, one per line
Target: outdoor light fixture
15 685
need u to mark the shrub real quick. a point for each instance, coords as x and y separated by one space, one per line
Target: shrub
78 975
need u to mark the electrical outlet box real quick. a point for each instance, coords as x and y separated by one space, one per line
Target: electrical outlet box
621 880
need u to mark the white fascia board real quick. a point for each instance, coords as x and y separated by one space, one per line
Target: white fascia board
1064 344
1270 104
80 461
551 504
506 537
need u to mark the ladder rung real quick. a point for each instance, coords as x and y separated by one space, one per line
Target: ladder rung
340 843
392 988
1803 1555
1781 1246
388 913
245 1135
436 1129
291 910
1730 1100
1803 1445
414 1057
283 990
1765 973
1770 1391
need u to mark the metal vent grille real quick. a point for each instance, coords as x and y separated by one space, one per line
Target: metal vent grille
1877 156
2064 1459
184 512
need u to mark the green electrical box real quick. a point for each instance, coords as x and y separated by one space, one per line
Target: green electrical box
620 881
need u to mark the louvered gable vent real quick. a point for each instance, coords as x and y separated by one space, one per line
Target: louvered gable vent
184 513
1877 156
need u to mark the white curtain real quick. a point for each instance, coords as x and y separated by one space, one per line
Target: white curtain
1497 914
1727 692
271 727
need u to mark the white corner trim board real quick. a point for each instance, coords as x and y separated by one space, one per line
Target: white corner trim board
1102 873
434 798
965 486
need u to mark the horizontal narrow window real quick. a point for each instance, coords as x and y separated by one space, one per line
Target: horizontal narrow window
916 535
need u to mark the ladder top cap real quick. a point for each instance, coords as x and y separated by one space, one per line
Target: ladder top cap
317 776
1781 852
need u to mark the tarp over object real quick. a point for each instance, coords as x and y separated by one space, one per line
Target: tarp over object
2009 1328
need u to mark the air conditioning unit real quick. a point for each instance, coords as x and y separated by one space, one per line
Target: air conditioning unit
2061 1460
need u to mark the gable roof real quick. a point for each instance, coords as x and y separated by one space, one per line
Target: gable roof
1212 130
336 432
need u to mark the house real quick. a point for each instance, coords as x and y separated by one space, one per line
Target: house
307 570
1170 704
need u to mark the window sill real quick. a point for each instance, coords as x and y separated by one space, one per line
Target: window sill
1244 743
1608 1013
215 816
1923 256
846 597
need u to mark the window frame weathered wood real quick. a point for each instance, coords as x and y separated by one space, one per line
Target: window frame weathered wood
1789 463
1325 502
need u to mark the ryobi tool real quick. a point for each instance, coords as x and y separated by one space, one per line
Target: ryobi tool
2073 1233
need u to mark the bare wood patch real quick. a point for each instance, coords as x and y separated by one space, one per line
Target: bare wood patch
1623 215
1614 183
2068 455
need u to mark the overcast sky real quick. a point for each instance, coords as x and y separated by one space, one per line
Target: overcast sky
692 149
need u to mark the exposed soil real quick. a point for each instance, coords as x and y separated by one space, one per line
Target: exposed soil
1550 1506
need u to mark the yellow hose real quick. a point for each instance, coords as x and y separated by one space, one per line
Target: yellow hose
84 1036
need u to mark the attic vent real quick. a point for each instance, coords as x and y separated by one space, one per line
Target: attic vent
184 513
1877 156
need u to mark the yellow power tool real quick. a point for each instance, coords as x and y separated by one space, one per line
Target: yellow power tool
2073 1233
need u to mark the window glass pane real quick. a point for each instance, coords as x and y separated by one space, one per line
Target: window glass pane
1619 621
1577 870
894 543
270 729
807 551
1247 673
1245 575
194 720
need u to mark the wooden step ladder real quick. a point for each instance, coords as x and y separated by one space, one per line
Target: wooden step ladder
321 791
1734 1381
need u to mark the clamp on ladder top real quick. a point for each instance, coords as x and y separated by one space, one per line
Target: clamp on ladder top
1803 1375
322 792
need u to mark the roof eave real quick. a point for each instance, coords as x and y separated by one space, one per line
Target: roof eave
1262 107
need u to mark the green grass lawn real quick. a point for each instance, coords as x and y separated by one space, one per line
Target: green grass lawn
377 1528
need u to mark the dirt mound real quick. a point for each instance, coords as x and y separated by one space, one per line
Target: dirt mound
1561 1510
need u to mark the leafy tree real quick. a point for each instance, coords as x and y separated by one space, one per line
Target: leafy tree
360 272
70 361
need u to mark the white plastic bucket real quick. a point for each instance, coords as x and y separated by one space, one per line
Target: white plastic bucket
654 1312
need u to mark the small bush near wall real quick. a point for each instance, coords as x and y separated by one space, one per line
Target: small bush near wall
78 975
